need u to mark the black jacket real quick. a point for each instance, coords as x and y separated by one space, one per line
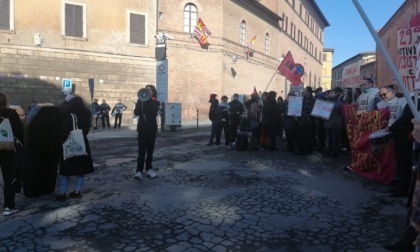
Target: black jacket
147 112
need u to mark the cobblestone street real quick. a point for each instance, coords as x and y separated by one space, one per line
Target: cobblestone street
208 200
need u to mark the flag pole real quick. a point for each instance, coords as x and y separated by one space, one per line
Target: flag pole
271 79
388 59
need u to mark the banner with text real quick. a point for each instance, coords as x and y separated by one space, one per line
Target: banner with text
351 75
407 55
376 165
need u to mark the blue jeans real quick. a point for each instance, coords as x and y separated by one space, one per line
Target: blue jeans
64 183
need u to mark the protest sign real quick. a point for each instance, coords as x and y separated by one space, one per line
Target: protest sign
294 106
322 109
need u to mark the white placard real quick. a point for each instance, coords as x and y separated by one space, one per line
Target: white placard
322 109
294 105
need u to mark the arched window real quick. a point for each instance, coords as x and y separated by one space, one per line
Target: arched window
190 17
243 32
267 43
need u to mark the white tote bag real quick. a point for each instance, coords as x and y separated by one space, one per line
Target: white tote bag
7 141
74 146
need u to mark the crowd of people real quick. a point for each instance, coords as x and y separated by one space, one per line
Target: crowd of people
102 111
267 118
72 114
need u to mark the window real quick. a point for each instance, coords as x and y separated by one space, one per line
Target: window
267 44
7 15
74 20
324 57
137 31
243 32
190 18
300 10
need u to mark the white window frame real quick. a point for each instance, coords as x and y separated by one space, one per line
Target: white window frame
11 18
63 20
146 25
243 32
192 9
267 43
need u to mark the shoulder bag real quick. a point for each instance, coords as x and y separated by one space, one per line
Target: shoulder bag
74 146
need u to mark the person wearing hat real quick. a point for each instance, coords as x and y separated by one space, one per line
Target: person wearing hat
214 104
236 111
104 109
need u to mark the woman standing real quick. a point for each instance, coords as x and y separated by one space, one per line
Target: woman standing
6 156
76 166
147 111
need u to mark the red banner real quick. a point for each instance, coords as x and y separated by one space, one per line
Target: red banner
379 165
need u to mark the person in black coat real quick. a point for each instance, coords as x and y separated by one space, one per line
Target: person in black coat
306 124
7 156
77 166
147 111
236 111
214 106
271 120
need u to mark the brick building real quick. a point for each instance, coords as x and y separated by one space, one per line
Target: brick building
44 42
223 67
405 17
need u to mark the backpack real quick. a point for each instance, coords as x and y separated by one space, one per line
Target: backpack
7 140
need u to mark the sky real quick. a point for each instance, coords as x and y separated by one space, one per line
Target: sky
348 34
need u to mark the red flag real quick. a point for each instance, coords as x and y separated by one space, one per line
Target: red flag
201 32
290 70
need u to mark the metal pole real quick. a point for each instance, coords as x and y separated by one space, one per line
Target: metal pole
197 118
388 59
270 80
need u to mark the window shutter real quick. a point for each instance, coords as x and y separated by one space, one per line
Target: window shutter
137 29
74 20
5 14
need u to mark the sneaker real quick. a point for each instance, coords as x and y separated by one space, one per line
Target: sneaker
151 173
229 146
75 194
138 175
9 211
61 197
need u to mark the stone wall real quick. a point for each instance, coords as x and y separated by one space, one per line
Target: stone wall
28 73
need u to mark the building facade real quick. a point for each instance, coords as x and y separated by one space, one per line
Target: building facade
43 43
327 59
223 67
365 67
405 17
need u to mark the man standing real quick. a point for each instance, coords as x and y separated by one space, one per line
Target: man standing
236 110
95 112
369 97
214 106
104 109
118 109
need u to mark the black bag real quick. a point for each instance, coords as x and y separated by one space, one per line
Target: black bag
241 142
246 124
